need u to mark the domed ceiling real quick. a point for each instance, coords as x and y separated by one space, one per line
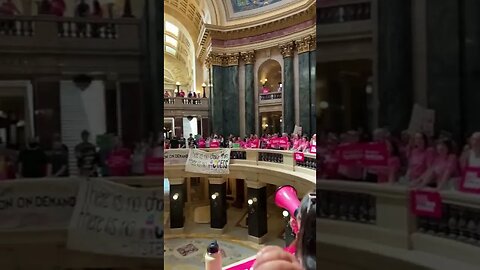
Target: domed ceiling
246 5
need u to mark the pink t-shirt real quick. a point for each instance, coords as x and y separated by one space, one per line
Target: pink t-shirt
119 162
446 164
383 172
418 162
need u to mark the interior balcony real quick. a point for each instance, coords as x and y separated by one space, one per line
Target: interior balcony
60 34
179 107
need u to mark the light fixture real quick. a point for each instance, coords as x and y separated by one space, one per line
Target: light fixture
285 213
204 85
215 195
369 89
178 84
324 105
210 85
250 201
175 196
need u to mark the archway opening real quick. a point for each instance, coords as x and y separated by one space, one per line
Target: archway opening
269 76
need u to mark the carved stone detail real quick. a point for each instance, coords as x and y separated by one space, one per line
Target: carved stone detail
287 49
248 57
231 59
305 44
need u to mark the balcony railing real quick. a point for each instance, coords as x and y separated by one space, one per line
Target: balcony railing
380 214
179 103
271 98
341 13
50 32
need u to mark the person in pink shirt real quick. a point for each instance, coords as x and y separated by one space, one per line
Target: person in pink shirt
419 157
389 172
265 90
201 142
119 160
471 154
304 145
296 142
443 167
330 159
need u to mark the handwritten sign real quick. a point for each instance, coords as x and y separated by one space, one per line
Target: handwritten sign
115 219
208 162
154 166
299 156
375 154
175 156
426 203
37 204
471 180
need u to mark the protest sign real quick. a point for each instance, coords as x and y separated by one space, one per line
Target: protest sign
208 162
115 219
280 142
236 146
350 153
298 130
154 166
37 204
313 148
214 144
426 203
175 156
470 181
422 120
375 154
299 156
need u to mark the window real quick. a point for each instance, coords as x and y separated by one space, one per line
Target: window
171 41
172 29
170 50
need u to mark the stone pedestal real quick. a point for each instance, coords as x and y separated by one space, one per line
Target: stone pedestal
177 203
218 203
257 210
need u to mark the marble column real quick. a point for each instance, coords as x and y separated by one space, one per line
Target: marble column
249 59
217 93
257 211
313 88
443 65
239 193
305 83
394 64
218 203
177 203
231 106
288 87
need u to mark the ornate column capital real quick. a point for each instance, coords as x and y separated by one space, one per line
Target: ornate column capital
215 59
305 44
287 49
208 62
231 59
313 47
248 57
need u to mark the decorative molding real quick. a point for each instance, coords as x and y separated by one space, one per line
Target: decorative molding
215 59
231 59
313 47
286 49
248 57
255 184
176 181
216 181
305 44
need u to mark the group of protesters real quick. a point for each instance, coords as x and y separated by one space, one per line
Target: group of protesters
413 158
276 141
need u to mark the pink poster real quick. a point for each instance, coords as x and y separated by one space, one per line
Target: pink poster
299 156
313 148
426 203
154 166
375 154
280 142
214 144
201 144
350 154
471 180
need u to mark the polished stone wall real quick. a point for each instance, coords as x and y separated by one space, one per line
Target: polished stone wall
249 99
313 92
288 95
231 109
304 91
217 99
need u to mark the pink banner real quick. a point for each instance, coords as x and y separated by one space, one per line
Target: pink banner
426 203
299 156
214 144
470 181
375 154
154 166
350 153
313 148
280 142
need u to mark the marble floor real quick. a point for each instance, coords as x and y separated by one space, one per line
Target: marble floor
186 250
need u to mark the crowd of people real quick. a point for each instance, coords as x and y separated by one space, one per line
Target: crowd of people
293 142
413 158
35 161
57 8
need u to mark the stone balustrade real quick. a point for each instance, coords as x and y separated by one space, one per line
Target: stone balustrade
51 33
269 98
343 11
379 214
